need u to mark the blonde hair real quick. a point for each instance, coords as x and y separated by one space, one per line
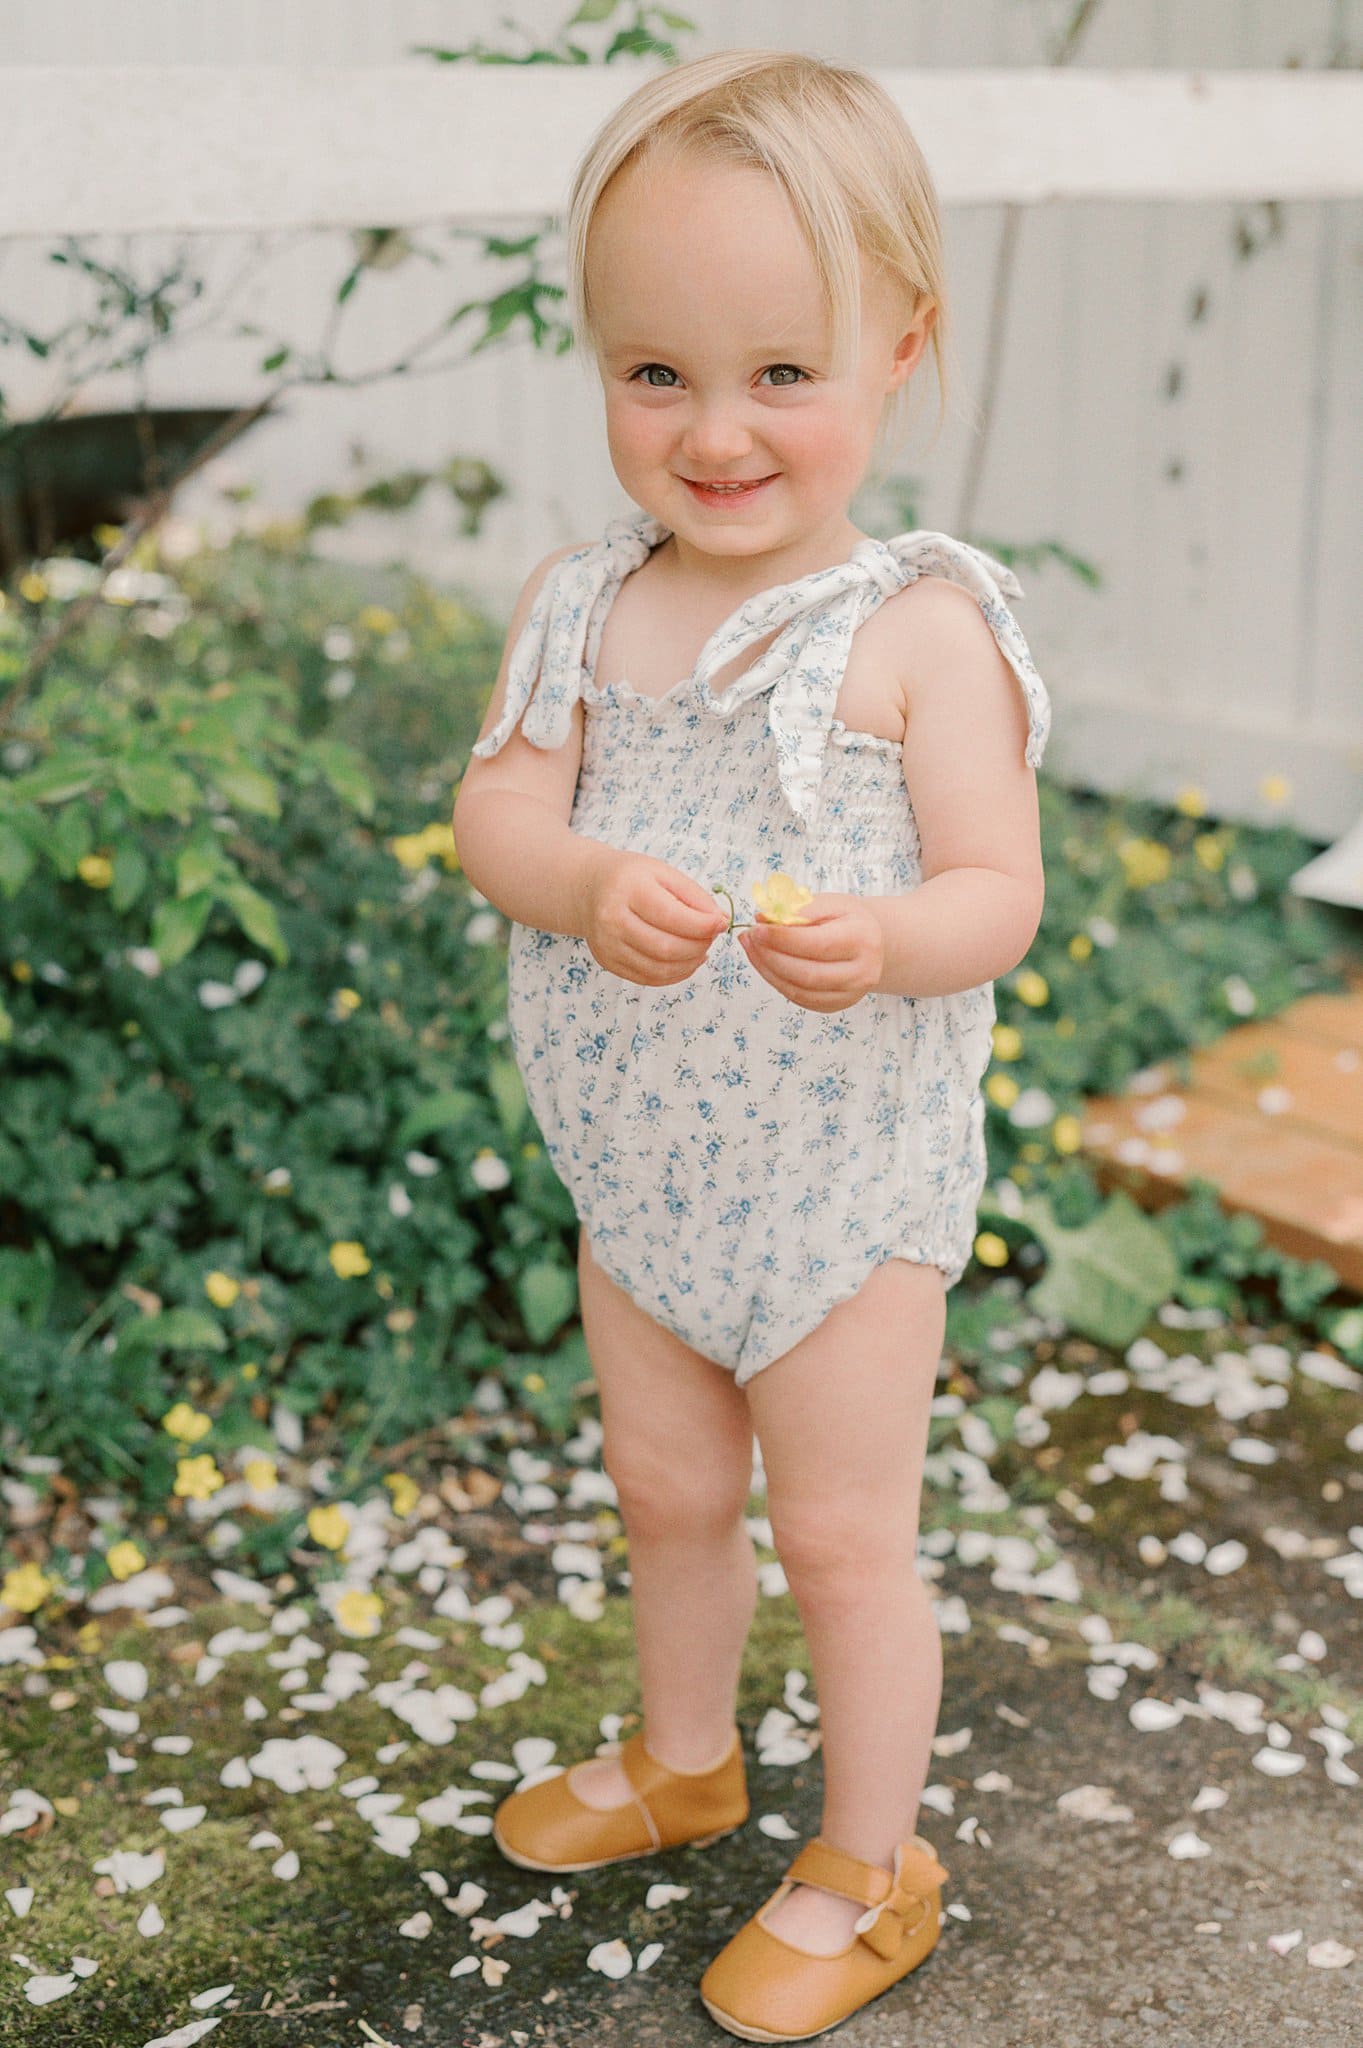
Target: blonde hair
842 153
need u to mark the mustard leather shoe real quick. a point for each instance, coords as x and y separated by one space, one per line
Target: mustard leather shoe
547 1827
764 1989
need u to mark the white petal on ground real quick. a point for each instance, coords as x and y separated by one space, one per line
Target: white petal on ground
660 1895
149 1920
1328 1955
235 1774
1189 1843
1153 1715
648 1955
286 1866
435 1881
418 1927
1283 1944
1093 1803
524 1920
1209 1797
20 1897
1278 1763
202 2000
84 1966
43 1990
180 1819
778 1827
186 2036
611 1958
1225 1557
464 1966
127 1678
130 1871
173 1745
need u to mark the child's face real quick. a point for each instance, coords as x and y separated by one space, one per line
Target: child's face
708 305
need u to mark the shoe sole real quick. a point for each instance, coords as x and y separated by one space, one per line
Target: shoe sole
746 2033
630 1855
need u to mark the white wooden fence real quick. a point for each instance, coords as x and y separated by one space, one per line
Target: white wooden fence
1179 405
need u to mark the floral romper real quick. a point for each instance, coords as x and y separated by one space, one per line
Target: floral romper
740 1163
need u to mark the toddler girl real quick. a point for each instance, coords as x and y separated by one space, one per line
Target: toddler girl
772 1130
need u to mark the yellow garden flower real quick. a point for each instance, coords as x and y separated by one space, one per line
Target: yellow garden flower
123 1559
1067 1133
347 1000
328 1526
1145 862
780 897
410 848
32 586
1192 801
990 1249
22 970
1002 1090
376 618
1080 946
96 870
197 1478
25 1588
260 1474
357 1613
1007 1042
186 1424
221 1289
348 1259
405 1491
1210 851
1032 988
1274 789
250 1371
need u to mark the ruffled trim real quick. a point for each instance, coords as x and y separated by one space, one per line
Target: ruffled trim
558 645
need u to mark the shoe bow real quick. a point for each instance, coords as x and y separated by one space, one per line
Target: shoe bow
884 1925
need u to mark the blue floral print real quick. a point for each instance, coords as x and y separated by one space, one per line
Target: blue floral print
739 1163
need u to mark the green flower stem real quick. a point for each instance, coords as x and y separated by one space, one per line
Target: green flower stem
733 925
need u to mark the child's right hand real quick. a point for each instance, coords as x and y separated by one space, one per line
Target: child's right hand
647 921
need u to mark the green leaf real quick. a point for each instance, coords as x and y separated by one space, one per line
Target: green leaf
177 1329
546 1295
26 1280
257 917
436 1113
58 780
344 770
198 863
592 10
248 788
1106 1279
508 1092
68 839
16 858
130 874
157 788
178 925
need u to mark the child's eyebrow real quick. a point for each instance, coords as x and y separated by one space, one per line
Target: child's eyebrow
771 351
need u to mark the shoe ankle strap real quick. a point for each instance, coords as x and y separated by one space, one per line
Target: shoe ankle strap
893 1899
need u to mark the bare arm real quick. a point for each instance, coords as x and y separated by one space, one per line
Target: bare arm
512 808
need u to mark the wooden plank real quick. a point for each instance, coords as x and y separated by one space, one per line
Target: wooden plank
131 148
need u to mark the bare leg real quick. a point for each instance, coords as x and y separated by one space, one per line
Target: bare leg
843 1424
678 1444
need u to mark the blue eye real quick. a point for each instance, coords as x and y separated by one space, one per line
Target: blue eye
636 374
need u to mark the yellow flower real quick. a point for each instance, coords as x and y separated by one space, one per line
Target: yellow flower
186 1424
25 1588
1210 851
1031 1150
439 839
22 970
1275 789
250 1371
328 1526
1192 801
197 1478
1007 1042
1032 988
1145 862
990 1249
405 1491
1067 1133
357 1613
96 870
410 848
123 1559
1002 1090
1080 946
32 586
376 618
106 536
221 1289
347 999
780 896
260 1474
89 1638
535 1381
348 1259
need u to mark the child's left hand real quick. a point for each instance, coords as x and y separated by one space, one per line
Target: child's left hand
829 961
